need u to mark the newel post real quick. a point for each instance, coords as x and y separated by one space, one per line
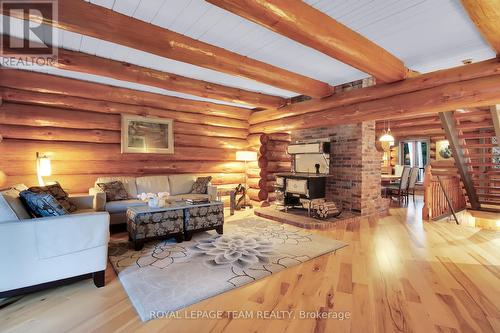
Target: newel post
427 209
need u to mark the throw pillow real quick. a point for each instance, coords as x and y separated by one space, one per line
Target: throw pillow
42 204
200 186
57 192
114 191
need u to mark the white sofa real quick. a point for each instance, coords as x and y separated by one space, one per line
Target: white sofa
41 252
179 187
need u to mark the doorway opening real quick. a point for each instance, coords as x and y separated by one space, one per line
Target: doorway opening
415 153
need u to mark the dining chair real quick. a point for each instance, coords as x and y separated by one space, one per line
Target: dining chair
400 190
398 169
412 182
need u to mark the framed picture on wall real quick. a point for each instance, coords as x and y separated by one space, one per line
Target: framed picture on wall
443 150
147 135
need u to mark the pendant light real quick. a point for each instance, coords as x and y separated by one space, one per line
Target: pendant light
387 136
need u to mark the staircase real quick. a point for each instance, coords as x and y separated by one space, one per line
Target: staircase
473 136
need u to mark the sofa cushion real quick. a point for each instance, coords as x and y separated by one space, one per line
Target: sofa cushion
121 206
152 184
57 192
128 183
181 184
114 190
42 204
200 185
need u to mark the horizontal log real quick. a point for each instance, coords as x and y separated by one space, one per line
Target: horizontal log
257 139
281 146
256 172
117 108
257 195
207 130
277 156
209 141
85 63
103 136
254 182
262 162
408 122
279 166
80 183
470 93
46 83
59 134
381 91
18 114
260 183
279 137
69 167
26 150
424 130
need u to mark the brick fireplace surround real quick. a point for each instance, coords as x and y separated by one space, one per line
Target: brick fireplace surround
354 166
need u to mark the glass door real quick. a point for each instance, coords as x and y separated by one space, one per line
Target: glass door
415 153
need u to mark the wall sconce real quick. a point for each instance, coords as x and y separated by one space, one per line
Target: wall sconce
43 167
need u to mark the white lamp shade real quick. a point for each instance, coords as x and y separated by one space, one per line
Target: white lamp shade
246 155
387 137
44 167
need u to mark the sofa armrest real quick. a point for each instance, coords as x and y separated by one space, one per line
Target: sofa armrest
61 235
48 237
82 201
212 192
99 198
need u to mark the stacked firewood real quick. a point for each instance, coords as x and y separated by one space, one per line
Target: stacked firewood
272 159
325 209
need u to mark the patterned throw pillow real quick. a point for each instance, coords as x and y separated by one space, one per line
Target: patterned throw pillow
114 190
42 204
200 186
57 192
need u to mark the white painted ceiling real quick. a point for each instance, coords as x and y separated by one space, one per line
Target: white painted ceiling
426 34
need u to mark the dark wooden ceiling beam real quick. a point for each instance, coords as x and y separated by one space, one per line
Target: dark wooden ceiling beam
303 23
119 70
486 16
451 131
105 24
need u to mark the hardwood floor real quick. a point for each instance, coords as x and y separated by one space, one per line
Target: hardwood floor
397 275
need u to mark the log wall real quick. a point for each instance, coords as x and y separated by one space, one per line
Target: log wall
272 158
82 134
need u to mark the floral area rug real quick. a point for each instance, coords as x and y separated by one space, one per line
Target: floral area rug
165 276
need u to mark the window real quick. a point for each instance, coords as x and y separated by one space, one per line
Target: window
415 153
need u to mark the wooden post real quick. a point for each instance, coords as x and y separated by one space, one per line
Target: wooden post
426 210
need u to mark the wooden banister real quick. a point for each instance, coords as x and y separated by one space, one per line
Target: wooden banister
435 202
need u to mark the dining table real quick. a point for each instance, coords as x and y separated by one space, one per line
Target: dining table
390 178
